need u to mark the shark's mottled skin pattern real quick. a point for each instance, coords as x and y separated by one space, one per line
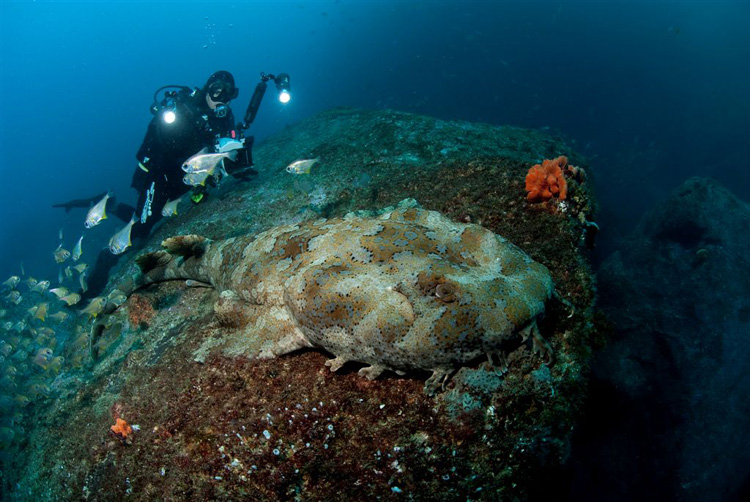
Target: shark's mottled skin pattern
410 289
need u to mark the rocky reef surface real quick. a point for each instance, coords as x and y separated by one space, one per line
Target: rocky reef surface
672 420
231 427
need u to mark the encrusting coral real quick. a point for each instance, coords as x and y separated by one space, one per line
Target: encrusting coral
546 181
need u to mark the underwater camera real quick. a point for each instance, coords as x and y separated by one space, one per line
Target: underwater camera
167 107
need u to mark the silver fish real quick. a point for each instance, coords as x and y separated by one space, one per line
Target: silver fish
95 306
40 287
301 166
61 254
59 292
119 242
116 297
195 179
206 162
82 282
77 251
12 281
97 213
170 208
14 297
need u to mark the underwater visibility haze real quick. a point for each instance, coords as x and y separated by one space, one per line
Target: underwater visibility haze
536 221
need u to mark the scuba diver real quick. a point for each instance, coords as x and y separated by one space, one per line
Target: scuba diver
186 122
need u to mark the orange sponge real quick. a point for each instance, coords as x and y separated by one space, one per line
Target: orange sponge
546 181
121 428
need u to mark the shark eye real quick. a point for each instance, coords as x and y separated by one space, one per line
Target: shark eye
446 292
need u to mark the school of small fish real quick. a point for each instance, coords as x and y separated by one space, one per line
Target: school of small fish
200 166
44 329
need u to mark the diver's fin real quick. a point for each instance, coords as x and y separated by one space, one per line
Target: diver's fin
186 245
149 261
82 203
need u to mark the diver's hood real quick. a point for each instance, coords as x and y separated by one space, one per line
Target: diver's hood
220 87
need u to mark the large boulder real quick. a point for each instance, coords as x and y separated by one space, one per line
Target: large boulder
670 407
218 424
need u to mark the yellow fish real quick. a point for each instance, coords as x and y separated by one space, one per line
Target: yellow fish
301 166
43 357
14 297
80 342
61 254
41 311
44 330
121 240
40 287
116 297
94 307
82 282
55 365
59 316
81 267
97 213
77 251
170 208
59 292
12 282
71 299
195 179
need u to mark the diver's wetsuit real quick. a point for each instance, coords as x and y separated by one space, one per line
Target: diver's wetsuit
167 146
161 155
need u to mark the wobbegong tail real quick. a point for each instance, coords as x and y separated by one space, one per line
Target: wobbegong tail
181 259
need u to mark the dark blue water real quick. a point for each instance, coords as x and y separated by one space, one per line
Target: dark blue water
652 92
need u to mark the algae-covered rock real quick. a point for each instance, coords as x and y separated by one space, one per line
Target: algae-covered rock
234 426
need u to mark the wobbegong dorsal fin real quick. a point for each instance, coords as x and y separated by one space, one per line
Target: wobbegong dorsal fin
186 245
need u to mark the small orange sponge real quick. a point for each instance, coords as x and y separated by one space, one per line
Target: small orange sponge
546 180
121 428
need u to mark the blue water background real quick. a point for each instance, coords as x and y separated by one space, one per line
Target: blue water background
651 92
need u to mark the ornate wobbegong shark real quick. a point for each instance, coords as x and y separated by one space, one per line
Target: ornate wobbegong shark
407 290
